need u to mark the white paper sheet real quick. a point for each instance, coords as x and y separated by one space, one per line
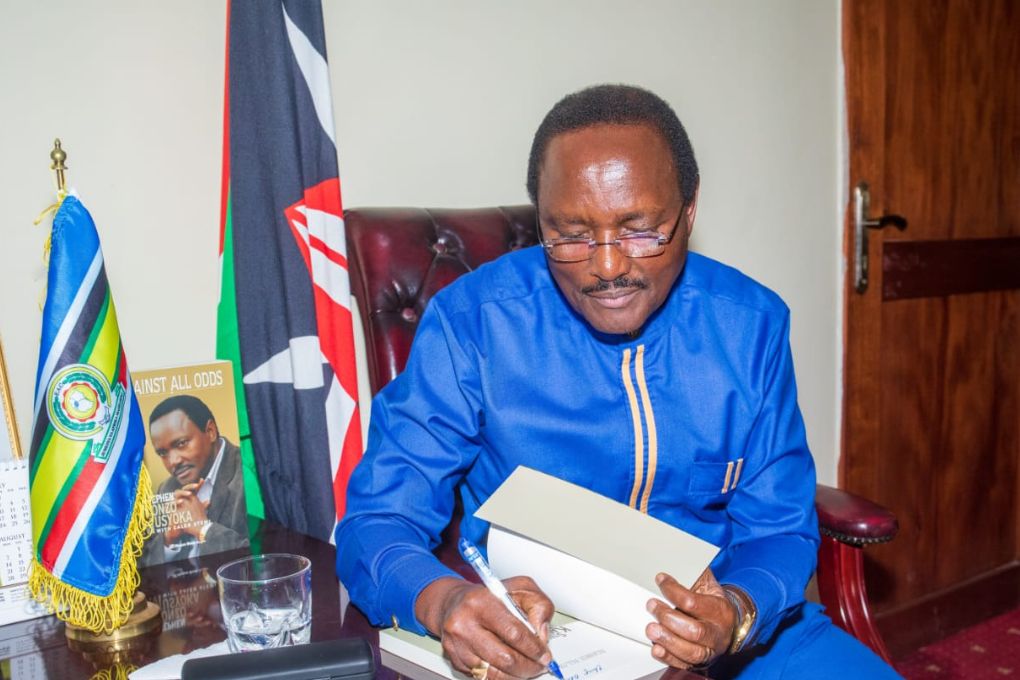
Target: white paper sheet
577 588
170 667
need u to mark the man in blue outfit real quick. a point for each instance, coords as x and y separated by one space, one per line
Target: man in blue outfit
614 359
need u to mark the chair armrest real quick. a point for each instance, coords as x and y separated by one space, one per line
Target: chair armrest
848 523
851 519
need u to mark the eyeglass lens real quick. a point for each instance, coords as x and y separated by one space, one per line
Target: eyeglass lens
633 246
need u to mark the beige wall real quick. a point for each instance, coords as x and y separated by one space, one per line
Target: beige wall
135 91
435 105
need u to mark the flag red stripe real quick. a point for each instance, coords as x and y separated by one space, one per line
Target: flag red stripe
349 458
325 196
332 255
336 340
334 324
122 369
69 511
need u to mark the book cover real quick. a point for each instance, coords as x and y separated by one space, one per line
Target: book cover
191 452
595 558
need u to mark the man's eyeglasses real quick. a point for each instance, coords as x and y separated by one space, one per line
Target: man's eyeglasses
580 248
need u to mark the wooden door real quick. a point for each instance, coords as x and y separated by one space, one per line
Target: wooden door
931 424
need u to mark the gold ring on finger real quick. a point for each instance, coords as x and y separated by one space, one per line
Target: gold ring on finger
480 671
701 665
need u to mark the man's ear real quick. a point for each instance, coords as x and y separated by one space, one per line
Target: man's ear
212 431
691 210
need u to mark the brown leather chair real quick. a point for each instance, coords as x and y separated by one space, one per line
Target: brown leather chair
400 257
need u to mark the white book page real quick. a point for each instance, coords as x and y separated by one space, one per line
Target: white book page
577 588
582 651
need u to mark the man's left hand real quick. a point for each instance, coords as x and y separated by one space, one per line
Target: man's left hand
696 627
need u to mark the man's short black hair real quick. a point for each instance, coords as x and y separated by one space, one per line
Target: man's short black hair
615 105
193 407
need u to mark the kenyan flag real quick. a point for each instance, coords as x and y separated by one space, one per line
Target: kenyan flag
285 310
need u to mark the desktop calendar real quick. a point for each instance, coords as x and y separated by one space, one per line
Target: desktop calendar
15 543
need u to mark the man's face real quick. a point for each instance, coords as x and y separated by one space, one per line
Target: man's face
602 182
186 451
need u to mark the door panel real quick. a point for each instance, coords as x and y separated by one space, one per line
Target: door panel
931 423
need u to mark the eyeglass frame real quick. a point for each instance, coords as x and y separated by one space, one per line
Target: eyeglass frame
661 240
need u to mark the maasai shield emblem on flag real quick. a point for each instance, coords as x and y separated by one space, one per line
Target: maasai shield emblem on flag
289 264
91 496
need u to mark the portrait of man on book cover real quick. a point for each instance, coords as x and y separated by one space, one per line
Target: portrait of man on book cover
194 462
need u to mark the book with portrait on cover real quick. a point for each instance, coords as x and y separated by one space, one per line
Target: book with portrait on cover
191 452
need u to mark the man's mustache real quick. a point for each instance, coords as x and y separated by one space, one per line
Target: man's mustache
622 282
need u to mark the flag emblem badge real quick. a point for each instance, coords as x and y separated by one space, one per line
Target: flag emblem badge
82 406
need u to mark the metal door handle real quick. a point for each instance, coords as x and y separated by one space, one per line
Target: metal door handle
862 203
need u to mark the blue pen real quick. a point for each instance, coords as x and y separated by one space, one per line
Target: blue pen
473 556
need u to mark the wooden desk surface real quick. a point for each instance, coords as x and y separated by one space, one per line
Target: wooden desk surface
187 595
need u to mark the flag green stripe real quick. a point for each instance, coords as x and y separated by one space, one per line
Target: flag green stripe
59 502
35 459
116 371
228 347
96 328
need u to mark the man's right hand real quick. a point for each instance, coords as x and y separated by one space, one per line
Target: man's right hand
190 514
475 627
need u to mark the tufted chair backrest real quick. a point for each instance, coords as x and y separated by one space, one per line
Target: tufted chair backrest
401 257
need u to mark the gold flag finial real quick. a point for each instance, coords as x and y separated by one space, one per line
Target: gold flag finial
58 156
59 165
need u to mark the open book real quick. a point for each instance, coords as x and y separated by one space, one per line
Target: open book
595 558
582 651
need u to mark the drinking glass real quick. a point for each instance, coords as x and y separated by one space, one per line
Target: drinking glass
266 601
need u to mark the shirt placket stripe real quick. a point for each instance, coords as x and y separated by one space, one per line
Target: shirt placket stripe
639 436
653 439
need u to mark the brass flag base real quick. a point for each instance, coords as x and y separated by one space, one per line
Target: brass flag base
123 645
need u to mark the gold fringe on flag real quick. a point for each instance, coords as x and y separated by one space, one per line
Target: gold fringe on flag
101 615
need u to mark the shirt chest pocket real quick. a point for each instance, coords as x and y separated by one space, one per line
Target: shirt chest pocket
711 480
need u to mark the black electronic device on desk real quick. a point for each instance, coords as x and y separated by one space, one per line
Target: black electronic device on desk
346 659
